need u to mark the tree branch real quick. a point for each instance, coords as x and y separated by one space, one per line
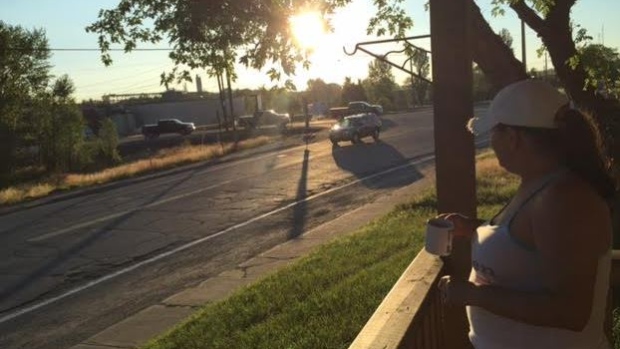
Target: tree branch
528 15
496 60
560 12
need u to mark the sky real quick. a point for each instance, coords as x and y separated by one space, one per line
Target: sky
139 71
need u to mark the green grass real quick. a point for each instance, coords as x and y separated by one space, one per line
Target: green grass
325 299
616 328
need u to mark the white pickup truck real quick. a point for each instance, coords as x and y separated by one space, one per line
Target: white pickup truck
264 118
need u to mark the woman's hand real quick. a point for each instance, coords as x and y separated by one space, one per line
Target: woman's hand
463 226
456 292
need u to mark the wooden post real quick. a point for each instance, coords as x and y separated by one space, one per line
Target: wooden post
454 145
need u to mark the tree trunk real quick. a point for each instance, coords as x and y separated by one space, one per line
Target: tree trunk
494 58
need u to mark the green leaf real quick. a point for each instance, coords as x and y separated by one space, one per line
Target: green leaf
289 85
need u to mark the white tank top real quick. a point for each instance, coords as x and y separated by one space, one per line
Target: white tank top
499 259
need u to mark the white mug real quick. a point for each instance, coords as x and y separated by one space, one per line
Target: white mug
439 236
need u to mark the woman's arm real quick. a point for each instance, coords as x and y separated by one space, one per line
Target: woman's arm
459 261
464 227
539 309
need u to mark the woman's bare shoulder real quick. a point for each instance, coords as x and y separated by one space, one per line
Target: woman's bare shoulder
578 207
573 192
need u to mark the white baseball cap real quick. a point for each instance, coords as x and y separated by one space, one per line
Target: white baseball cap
531 103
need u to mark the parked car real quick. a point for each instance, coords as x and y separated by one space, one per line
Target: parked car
168 126
338 112
354 108
264 118
364 107
355 127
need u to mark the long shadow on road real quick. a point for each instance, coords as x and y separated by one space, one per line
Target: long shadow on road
299 211
368 158
387 124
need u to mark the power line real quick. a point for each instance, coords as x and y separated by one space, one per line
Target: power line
138 86
84 49
133 76
101 69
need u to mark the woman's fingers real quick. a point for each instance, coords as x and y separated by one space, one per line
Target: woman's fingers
443 215
443 288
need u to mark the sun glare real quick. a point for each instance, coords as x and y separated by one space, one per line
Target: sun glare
308 29
325 46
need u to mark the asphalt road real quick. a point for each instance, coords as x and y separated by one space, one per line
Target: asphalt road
72 268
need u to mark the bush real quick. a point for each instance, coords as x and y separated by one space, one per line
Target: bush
61 138
107 141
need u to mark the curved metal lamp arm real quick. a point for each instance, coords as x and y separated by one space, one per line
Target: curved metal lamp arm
405 63
352 53
384 56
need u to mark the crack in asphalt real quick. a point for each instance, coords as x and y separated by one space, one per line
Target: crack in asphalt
52 252
182 306
90 272
197 220
106 345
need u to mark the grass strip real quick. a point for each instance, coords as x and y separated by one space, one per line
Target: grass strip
324 299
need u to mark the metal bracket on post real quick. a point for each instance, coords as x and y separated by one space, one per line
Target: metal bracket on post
383 58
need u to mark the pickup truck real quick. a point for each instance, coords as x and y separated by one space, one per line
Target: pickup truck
355 108
264 118
364 107
167 126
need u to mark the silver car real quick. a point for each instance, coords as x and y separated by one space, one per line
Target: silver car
355 127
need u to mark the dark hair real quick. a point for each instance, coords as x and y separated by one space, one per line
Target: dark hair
579 144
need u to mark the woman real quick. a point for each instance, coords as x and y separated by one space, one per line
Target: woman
540 267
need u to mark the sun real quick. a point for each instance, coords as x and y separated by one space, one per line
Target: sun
308 29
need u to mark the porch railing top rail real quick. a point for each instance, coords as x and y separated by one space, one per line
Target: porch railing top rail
391 321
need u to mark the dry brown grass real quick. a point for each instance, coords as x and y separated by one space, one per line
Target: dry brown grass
487 164
20 193
164 159
495 185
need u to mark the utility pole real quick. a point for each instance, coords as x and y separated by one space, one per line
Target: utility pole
220 86
230 101
413 94
523 57
546 65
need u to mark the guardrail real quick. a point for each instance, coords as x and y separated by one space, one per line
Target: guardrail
413 316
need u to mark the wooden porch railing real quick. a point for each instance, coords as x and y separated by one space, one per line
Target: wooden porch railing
413 316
